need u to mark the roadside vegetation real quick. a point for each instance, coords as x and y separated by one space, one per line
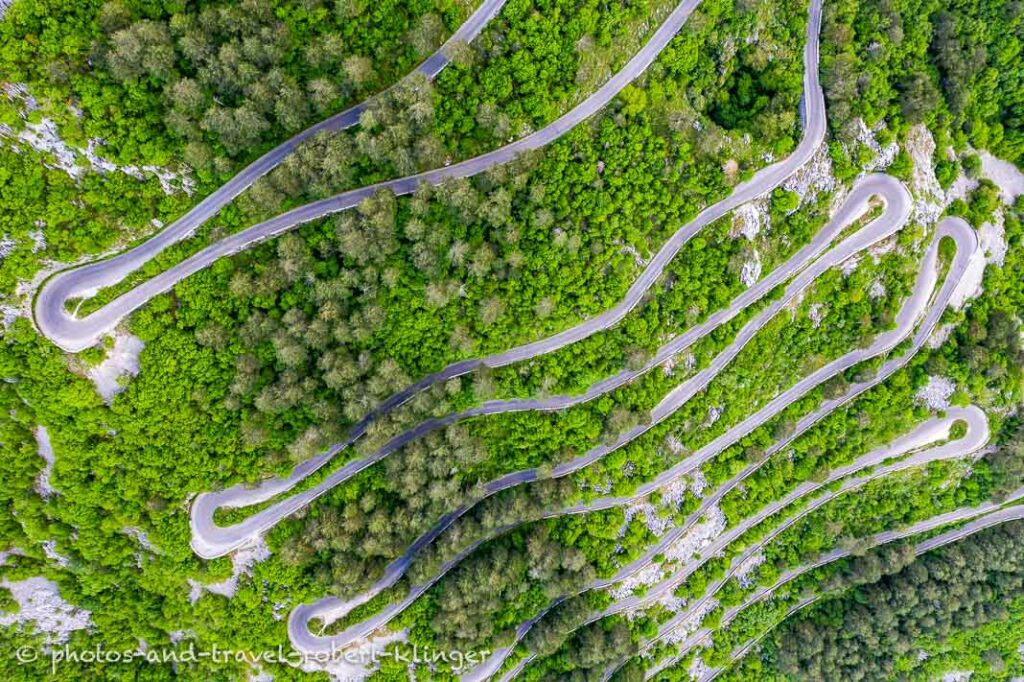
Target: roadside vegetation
260 361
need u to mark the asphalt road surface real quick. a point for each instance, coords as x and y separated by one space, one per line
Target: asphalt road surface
980 518
976 437
209 540
75 334
967 245
329 607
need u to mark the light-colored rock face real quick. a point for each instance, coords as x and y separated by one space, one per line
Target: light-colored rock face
929 199
745 570
936 393
813 177
42 608
45 449
122 361
692 621
884 156
751 271
242 562
816 312
50 550
682 550
654 522
992 239
958 676
940 335
960 188
648 576
355 662
698 668
1006 175
698 537
751 219
44 137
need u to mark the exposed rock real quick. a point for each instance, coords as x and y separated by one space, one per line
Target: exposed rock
649 575
813 177
751 271
45 449
6 246
674 493
121 361
242 562
750 219
40 603
929 199
698 668
1006 175
50 550
958 676
45 138
698 484
940 335
992 240
744 570
10 314
816 313
936 393
698 537
884 156
655 523
960 188
689 625
714 414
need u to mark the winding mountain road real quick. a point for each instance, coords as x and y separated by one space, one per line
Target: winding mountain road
975 438
330 608
210 540
967 246
979 518
921 443
76 334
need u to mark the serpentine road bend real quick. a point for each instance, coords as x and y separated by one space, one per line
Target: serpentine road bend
967 246
75 335
896 200
966 242
210 540
984 516
919 442
935 429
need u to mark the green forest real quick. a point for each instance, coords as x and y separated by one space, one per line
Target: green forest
522 504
